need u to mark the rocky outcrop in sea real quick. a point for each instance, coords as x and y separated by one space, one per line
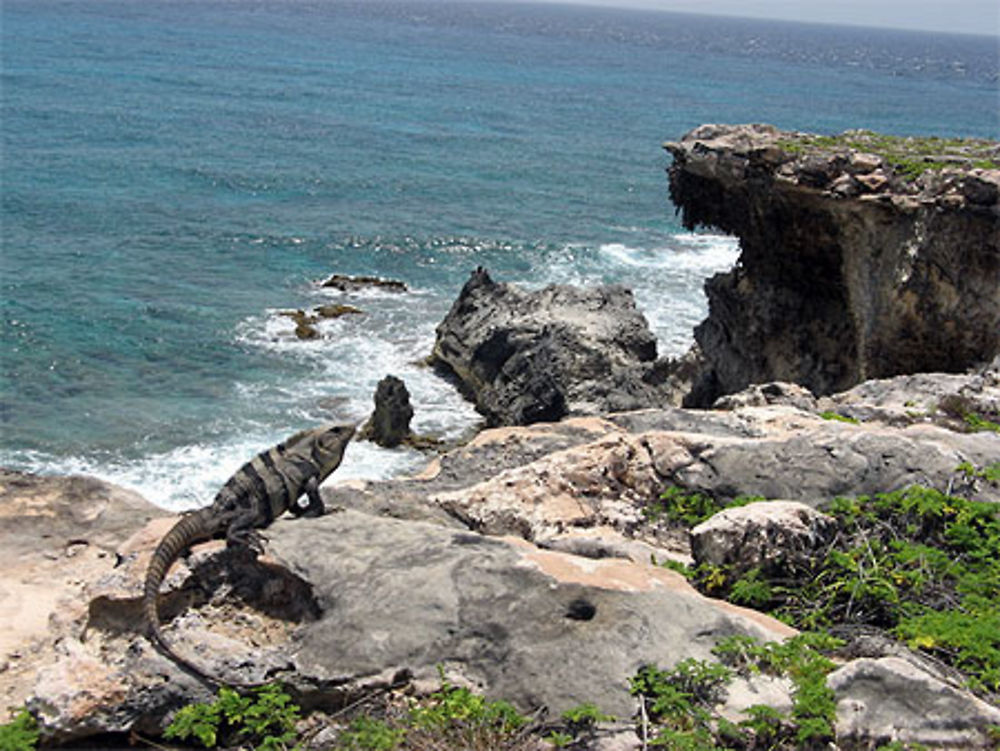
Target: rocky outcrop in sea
525 357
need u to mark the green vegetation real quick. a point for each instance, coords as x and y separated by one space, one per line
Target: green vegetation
680 506
990 473
20 734
367 734
679 702
828 415
453 717
919 564
265 720
585 717
908 156
977 422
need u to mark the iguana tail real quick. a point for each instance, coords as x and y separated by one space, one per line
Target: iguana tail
190 529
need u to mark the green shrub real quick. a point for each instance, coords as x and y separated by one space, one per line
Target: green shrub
367 734
20 734
990 473
681 506
690 508
918 563
977 423
680 702
265 718
585 717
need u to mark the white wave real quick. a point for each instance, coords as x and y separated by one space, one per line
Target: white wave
689 251
190 476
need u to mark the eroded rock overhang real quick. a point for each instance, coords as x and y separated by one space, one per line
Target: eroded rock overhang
863 256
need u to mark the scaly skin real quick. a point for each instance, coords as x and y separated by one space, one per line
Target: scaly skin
261 490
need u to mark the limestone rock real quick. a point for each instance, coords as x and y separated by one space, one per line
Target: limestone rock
890 699
557 604
389 424
393 600
832 288
536 627
58 533
530 357
761 395
939 398
780 537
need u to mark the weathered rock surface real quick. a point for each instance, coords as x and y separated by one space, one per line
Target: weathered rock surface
389 424
535 626
851 268
889 699
526 357
779 537
938 398
386 600
58 534
520 562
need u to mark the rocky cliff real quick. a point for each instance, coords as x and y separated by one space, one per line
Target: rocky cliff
863 256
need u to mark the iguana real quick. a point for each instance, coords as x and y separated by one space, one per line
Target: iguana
263 488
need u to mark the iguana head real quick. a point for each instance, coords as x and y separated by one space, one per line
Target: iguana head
328 447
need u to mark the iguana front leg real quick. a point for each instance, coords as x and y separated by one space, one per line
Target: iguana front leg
315 506
243 533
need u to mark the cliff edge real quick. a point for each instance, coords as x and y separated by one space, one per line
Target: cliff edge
863 255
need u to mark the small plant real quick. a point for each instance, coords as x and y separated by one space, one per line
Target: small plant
368 734
765 723
455 706
978 423
20 734
266 719
559 739
682 506
681 568
990 473
585 717
455 717
837 417
680 700
751 590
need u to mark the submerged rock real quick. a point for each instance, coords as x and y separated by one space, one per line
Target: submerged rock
526 357
346 283
336 311
854 265
305 328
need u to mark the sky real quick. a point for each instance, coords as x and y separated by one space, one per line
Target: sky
961 16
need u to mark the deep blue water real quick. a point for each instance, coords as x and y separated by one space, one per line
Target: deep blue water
175 174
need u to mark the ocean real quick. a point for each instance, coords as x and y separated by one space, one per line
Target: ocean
177 174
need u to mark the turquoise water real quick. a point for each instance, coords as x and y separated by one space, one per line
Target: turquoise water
176 174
